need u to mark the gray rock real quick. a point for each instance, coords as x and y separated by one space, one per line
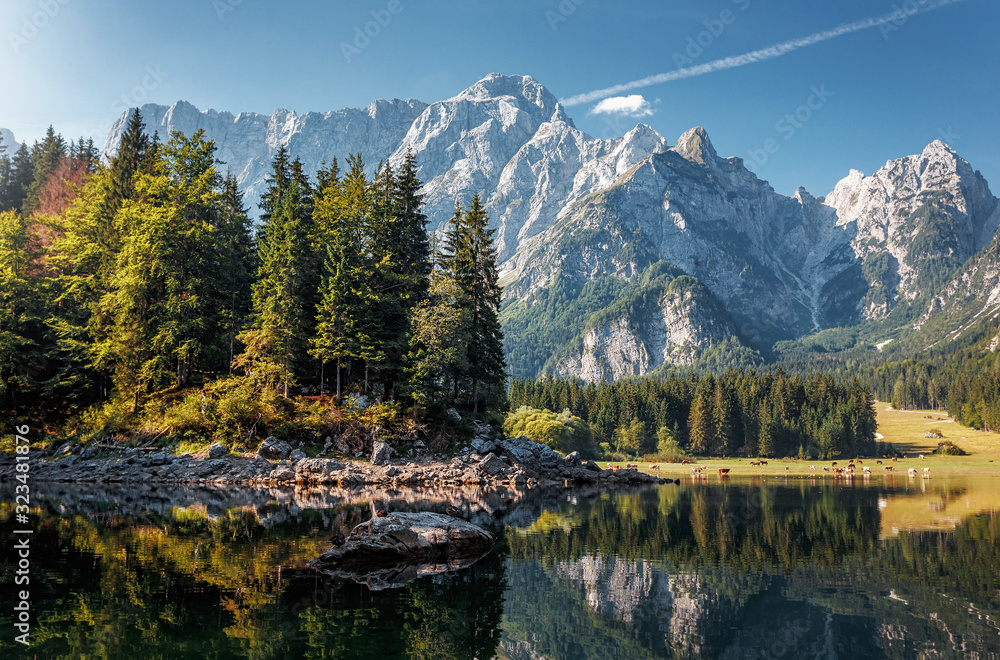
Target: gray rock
492 465
381 453
297 455
407 536
65 449
572 457
392 471
453 414
273 448
89 452
317 470
218 450
282 474
591 465
158 458
359 402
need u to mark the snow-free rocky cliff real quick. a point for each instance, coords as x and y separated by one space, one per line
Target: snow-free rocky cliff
702 251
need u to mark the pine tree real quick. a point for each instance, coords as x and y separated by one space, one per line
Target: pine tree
161 304
237 264
135 155
45 158
19 180
20 314
281 324
336 337
411 235
701 421
475 270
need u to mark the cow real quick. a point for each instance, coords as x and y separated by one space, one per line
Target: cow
655 467
723 470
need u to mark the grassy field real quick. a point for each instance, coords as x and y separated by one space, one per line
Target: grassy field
904 429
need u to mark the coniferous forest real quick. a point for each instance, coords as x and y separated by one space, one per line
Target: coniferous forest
137 293
738 413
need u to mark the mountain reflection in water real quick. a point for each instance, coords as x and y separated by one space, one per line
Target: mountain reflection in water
785 568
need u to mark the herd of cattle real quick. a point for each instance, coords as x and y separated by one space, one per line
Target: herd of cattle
847 470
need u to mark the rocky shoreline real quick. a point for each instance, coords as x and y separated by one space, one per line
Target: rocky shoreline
502 462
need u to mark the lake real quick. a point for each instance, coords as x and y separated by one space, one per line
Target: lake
780 568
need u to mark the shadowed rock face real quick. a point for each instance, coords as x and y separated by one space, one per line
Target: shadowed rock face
391 550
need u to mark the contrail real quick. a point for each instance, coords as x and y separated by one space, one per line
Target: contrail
919 6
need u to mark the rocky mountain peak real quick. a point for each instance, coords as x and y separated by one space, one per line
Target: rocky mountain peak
524 92
695 145
9 142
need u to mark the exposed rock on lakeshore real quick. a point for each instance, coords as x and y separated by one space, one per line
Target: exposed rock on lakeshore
511 461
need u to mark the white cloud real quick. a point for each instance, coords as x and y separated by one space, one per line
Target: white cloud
630 106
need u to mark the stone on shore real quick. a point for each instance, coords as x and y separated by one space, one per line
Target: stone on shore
274 449
381 453
218 450
317 470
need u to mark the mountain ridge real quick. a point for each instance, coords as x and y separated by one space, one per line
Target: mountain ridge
572 210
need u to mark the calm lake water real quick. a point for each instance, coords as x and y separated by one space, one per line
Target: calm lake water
898 568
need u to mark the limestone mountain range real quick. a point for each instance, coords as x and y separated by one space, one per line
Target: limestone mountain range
626 255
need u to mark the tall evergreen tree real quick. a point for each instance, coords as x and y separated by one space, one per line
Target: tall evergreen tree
336 338
237 264
18 181
476 273
45 158
411 234
281 324
20 314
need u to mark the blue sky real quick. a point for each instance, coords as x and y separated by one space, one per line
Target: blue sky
875 94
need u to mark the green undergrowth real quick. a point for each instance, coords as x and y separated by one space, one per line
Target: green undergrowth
233 412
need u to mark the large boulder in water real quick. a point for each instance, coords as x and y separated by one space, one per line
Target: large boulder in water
407 537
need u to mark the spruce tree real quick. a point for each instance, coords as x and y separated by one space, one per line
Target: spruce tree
411 235
45 158
281 324
237 264
21 175
479 277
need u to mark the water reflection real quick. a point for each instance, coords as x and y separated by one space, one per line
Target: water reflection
752 569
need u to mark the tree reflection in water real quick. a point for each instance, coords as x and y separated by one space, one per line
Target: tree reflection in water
701 571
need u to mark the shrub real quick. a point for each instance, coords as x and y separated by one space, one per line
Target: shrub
949 448
563 432
668 450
